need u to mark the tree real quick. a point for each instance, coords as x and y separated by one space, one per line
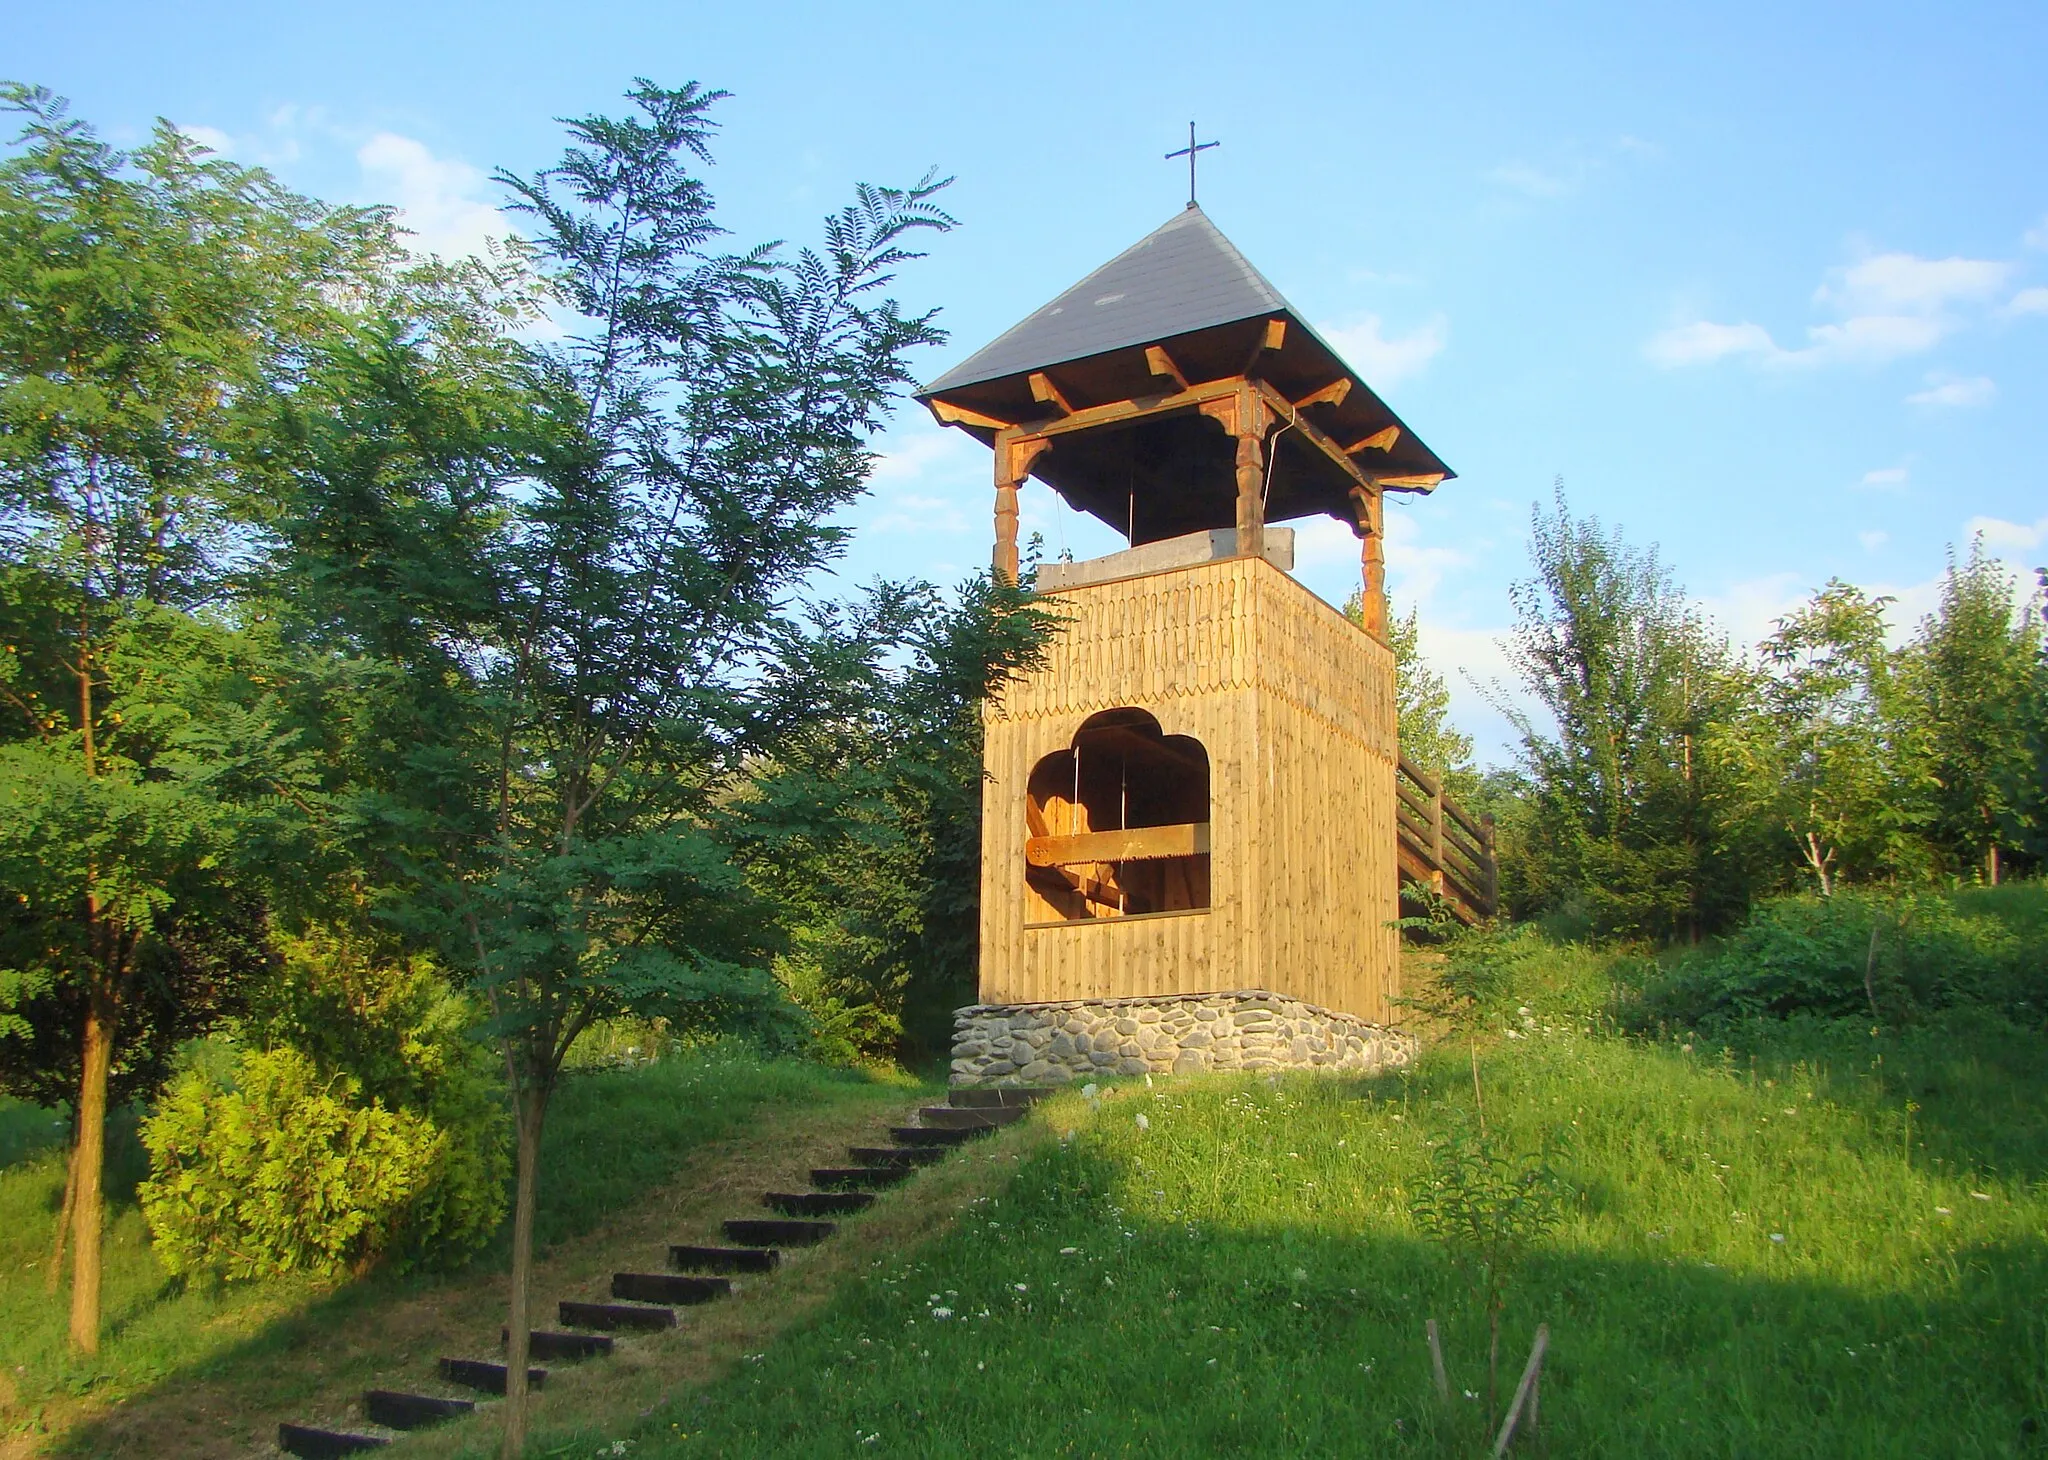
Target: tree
1422 704
1621 777
1971 671
1821 754
868 831
150 299
575 566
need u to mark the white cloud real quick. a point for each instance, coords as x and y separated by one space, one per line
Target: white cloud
2037 236
1534 182
1703 342
213 139
1999 533
1749 611
440 199
1889 478
1384 359
1891 305
1891 283
2028 301
1955 390
1873 539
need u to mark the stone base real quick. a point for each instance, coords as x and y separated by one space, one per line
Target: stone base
1051 1044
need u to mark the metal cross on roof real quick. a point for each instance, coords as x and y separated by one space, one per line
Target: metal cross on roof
1189 152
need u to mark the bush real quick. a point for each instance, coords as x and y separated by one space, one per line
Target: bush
1886 957
394 1024
365 1070
286 1171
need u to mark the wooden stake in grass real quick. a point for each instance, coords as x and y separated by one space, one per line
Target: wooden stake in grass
1436 1362
1525 1393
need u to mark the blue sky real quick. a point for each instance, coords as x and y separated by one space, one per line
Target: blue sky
1764 284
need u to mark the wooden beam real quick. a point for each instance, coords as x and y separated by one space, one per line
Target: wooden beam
1330 395
1315 436
1114 412
1135 844
1042 389
1378 441
949 414
1160 363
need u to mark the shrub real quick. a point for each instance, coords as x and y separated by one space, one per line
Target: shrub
394 1024
1885 957
285 1171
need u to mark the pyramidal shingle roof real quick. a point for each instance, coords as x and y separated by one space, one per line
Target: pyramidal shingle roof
1184 275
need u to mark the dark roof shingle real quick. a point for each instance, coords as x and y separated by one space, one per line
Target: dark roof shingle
1183 276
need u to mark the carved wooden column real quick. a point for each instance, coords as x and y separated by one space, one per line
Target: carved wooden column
1013 460
1372 557
1247 418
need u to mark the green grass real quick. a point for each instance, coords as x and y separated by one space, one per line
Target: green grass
611 1136
1813 1243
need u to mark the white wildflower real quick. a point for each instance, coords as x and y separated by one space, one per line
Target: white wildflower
1779 1238
1980 1196
942 1314
1142 1123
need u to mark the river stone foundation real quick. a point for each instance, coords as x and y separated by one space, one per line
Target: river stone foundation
1051 1044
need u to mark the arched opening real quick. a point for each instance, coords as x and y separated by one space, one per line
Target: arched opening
1117 824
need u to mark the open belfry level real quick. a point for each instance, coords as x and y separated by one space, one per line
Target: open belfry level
1200 791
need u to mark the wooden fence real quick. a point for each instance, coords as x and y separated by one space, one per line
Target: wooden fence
1443 848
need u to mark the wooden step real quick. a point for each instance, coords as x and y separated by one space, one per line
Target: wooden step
484 1376
768 1232
723 1259
311 1443
817 1203
896 1155
668 1287
614 1315
953 1117
924 1135
979 1097
398 1411
544 1343
839 1178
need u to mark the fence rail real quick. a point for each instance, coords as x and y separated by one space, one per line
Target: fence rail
1444 848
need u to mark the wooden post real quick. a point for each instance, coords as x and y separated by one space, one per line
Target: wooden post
1436 837
1373 559
1525 1393
1491 868
1013 464
1251 475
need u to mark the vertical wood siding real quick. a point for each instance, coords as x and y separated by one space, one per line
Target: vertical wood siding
1295 706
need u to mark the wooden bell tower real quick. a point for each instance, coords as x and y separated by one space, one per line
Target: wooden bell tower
1196 792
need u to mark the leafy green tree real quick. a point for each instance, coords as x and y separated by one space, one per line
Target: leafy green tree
867 832
1623 785
1422 703
150 298
1823 754
576 567
1972 674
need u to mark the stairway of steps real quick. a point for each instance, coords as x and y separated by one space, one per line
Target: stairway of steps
646 1302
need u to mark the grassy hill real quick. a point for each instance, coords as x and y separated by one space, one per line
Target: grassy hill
1811 1240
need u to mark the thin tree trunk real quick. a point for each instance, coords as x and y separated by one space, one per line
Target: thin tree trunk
88 1211
530 1110
56 1273
1492 1363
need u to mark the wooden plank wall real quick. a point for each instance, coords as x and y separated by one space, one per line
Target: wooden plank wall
1295 707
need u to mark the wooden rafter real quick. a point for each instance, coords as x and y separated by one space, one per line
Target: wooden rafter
1272 337
1330 395
1382 440
1419 482
1162 364
949 414
1042 389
